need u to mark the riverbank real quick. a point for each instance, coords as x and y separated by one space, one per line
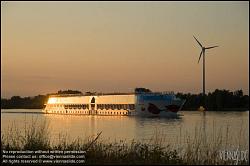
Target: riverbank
98 151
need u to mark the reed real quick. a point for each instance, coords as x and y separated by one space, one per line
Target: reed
199 148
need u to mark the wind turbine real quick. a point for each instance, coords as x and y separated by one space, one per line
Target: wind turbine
203 50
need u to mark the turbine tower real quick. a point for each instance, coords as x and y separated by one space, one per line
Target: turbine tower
203 50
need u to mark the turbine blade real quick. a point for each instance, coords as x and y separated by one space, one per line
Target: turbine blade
198 41
211 47
200 57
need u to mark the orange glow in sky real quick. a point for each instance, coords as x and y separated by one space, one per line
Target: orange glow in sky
117 46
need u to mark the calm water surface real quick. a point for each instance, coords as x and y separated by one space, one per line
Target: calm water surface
231 126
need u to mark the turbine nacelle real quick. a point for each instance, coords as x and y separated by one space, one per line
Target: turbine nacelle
203 49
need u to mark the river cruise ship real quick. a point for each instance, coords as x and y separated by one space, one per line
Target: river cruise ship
115 104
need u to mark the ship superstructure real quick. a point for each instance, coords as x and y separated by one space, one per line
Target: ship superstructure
116 104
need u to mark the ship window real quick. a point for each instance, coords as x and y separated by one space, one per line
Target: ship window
93 100
131 106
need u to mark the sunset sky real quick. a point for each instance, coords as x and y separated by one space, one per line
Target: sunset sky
117 46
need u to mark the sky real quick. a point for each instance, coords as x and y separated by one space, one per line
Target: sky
117 46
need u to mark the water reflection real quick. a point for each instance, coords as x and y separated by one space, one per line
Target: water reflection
233 125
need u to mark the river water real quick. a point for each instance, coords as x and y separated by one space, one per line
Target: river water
231 127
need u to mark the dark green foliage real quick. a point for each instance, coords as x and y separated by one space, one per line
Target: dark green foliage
139 90
17 102
219 100
69 92
36 102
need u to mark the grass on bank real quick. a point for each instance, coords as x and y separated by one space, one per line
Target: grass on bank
197 150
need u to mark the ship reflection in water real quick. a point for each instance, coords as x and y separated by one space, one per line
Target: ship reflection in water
172 131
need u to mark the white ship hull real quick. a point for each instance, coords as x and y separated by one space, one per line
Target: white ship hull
147 104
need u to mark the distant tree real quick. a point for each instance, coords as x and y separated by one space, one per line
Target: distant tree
238 93
139 90
69 92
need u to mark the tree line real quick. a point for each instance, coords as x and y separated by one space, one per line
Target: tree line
219 100
17 102
36 102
